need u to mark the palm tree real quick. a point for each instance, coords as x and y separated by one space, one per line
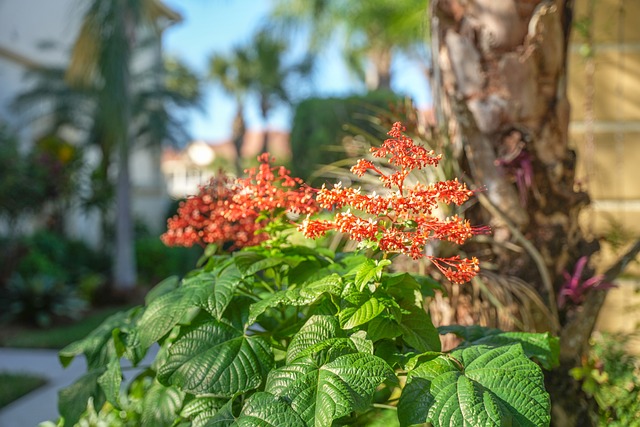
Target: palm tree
158 96
232 74
256 69
372 31
123 104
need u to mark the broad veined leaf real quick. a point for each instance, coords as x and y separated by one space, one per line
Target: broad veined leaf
307 270
302 295
265 410
72 400
321 254
317 329
402 282
249 263
418 330
329 350
237 312
98 347
475 386
468 333
110 382
351 317
362 342
161 406
545 348
383 327
369 271
194 405
321 393
166 286
226 282
245 259
200 410
222 418
214 358
168 310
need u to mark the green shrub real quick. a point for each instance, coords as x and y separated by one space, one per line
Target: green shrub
157 261
280 334
37 299
320 124
611 375
67 260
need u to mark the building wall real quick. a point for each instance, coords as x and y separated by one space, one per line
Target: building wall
40 33
604 91
605 129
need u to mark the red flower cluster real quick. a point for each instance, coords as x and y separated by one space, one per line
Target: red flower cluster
403 221
225 212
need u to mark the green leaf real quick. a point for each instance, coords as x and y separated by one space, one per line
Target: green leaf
98 347
166 286
370 270
249 263
216 359
428 285
168 310
356 316
317 329
418 330
72 400
383 327
265 410
365 273
161 405
478 385
362 342
302 295
328 350
201 410
321 393
245 259
110 382
237 312
545 348
223 418
468 333
224 286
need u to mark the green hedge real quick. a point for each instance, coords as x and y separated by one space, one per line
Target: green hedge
320 124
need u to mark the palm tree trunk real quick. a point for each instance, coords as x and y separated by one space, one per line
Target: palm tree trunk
125 276
500 90
125 262
264 108
239 131
379 74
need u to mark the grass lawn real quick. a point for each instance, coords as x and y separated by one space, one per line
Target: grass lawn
55 337
15 385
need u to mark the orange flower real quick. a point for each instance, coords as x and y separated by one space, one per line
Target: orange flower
225 212
402 221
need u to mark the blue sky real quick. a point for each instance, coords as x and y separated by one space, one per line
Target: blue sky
217 26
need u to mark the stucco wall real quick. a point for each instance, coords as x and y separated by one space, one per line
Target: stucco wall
605 100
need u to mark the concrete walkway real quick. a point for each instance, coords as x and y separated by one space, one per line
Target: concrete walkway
42 404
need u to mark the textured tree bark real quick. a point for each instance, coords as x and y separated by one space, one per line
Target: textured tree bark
239 131
500 93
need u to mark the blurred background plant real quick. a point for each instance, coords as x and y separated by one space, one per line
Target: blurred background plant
38 299
610 374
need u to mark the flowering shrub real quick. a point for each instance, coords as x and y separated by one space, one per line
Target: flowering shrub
402 221
278 334
226 212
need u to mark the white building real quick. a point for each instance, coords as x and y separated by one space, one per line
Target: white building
39 34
